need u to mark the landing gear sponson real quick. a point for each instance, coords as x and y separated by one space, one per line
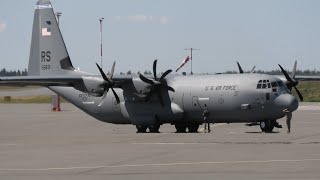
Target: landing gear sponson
180 128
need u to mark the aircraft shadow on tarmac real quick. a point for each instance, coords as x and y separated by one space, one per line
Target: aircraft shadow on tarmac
259 132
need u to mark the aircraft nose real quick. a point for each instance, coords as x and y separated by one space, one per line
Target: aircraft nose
287 101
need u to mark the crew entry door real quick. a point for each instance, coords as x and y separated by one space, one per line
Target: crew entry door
200 103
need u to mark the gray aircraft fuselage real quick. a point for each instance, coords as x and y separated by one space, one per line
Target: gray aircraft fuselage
230 98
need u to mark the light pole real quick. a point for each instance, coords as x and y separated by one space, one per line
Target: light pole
101 20
57 108
58 14
191 49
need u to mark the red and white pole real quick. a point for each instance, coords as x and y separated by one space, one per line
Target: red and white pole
58 104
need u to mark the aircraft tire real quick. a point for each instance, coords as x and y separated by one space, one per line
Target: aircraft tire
154 128
181 128
141 129
193 127
267 126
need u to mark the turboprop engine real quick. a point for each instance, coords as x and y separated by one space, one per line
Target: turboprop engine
92 86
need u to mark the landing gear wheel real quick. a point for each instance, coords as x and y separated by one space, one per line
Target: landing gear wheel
193 128
154 128
267 126
141 129
181 128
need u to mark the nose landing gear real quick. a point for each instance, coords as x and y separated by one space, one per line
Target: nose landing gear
267 125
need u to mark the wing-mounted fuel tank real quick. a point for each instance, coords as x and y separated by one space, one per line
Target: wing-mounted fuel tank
91 85
143 113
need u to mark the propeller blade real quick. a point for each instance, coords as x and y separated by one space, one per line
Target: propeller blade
155 69
112 69
146 80
240 68
102 73
253 68
294 70
299 94
286 75
116 96
169 88
103 98
165 74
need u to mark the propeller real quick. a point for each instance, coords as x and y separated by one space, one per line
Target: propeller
108 84
157 83
253 68
291 81
241 70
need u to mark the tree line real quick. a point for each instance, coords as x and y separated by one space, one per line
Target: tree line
5 72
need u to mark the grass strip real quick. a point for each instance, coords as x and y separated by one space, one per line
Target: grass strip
27 99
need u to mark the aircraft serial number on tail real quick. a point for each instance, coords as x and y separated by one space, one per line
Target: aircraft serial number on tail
45 67
45 56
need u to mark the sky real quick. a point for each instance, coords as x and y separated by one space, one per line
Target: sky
264 33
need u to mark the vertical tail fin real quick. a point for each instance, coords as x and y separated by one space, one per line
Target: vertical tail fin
48 53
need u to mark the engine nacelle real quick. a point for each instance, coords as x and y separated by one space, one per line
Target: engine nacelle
91 85
140 86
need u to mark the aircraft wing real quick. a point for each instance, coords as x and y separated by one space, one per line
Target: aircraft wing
307 78
39 81
123 82
301 78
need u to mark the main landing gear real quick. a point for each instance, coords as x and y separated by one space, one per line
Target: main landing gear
182 128
152 128
268 125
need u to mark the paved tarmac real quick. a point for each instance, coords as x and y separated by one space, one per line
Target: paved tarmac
36 143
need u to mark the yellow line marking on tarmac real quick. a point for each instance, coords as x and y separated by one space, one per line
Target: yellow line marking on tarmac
163 164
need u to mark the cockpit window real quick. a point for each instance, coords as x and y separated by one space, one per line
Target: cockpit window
259 86
263 84
274 84
280 83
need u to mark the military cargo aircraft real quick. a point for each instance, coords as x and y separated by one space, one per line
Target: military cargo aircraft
149 102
